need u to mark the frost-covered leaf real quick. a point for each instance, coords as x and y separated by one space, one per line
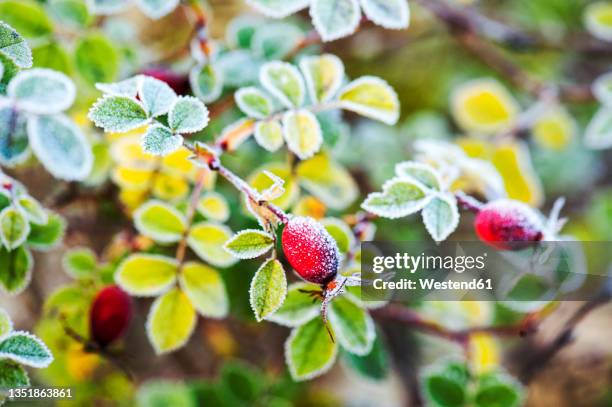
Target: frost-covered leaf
160 140
42 91
240 30
483 106
598 134
214 206
73 13
328 181
15 269
390 14
335 19
80 262
352 325
26 349
205 288
269 134
424 173
160 221
253 102
238 68
261 181
302 132
250 243
12 376
171 321
340 231
602 88
237 133
284 82
13 137
127 87
598 20
156 9
206 82
44 237
6 325
275 190
554 129
371 97
268 289
60 146
146 275
309 351
14 227
188 115
207 240
107 6
156 96
33 210
323 75
400 197
298 307
441 216
118 114
278 8
96 58
14 47
276 40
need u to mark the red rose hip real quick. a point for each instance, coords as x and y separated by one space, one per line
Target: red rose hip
508 225
310 250
109 315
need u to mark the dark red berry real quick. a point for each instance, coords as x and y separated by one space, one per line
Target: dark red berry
508 225
109 315
179 83
310 250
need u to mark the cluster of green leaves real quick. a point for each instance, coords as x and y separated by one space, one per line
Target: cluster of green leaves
31 114
18 349
340 18
450 383
24 224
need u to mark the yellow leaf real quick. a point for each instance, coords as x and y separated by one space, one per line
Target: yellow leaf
131 178
484 353
555 129
214 206
260 181
179 164
80 364
513 163
128 152
171 321
132 198
310 206
170 187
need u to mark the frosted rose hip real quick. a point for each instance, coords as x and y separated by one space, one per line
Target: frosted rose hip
508 225
109 315
310 250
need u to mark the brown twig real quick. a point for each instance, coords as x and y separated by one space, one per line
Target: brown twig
181 249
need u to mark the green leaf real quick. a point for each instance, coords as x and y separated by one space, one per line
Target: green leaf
205 288
160 221
42 91
424 173
598 134
206 82
156 96
324 75
276 40
390 14
15 269
27 17
328 181
298 307
374 365
214 206
171 321
342 234
13 137
240 30
160 140
26 349
269 134
188 115
118 114
242 385
12 376
128 87
156 9
335 19
446 385
352 326
371 97
498 390
146 275
6 325
284 82
14 228
309 351
597 20
268 289
73 13
253 102
238 68
441 216
249 243
96 59
158 393
278 8
400 197
52 55
44 237
33 210
80 262
302 132
207 240
61 147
